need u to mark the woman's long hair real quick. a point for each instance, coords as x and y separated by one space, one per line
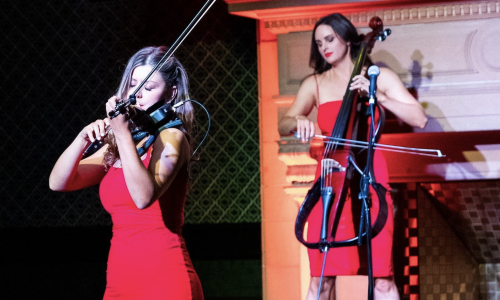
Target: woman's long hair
173 73
345 30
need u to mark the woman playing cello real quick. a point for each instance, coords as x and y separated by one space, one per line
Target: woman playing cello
334 47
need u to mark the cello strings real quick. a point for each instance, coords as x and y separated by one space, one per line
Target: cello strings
326 171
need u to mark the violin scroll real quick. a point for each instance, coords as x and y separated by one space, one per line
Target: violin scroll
121 107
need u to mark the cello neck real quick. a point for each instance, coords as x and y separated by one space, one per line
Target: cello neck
344 123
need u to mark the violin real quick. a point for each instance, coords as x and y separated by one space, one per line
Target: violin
158 117
149 123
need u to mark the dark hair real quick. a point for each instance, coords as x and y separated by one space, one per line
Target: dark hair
344 29
173 73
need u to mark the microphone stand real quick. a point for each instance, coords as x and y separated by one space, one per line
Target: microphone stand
367 179
326 196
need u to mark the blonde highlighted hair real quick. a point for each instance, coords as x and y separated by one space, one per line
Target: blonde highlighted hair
173 73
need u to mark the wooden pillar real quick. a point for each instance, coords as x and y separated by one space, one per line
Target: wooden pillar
280 249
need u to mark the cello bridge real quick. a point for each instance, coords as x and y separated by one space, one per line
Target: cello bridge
329 165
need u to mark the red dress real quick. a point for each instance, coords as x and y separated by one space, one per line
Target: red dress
148 258
345 260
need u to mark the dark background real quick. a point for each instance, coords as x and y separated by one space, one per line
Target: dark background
60 61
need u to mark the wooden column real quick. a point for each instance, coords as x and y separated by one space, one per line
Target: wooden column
280 249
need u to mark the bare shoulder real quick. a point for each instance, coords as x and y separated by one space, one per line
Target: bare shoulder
388 80
307 91
173 142
387 74
309 83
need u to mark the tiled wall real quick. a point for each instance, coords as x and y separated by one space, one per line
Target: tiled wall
405 248
490 281
472 208
74 53
447 268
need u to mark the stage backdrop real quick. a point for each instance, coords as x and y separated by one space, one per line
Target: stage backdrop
59 63
62 60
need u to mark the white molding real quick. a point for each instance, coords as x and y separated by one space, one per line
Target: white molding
396 16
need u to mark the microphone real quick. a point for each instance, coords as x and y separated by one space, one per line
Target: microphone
373 72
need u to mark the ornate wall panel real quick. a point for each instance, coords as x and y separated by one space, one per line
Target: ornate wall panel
454 72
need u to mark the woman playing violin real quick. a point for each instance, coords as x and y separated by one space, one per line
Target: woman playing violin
334 47
145 194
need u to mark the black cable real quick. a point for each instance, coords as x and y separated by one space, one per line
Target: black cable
194 160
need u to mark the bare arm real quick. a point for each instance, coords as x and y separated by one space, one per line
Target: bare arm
393 95
295 119
396 98
70 172
171 151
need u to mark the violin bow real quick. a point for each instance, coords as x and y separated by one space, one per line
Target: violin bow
120 106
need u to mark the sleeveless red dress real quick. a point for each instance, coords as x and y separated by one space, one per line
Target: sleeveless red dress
345 260
148 258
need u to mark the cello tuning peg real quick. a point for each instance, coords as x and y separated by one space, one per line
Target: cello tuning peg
384 34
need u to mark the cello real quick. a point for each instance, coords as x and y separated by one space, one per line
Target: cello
345 171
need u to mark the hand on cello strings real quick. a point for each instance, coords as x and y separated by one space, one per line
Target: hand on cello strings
339 56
